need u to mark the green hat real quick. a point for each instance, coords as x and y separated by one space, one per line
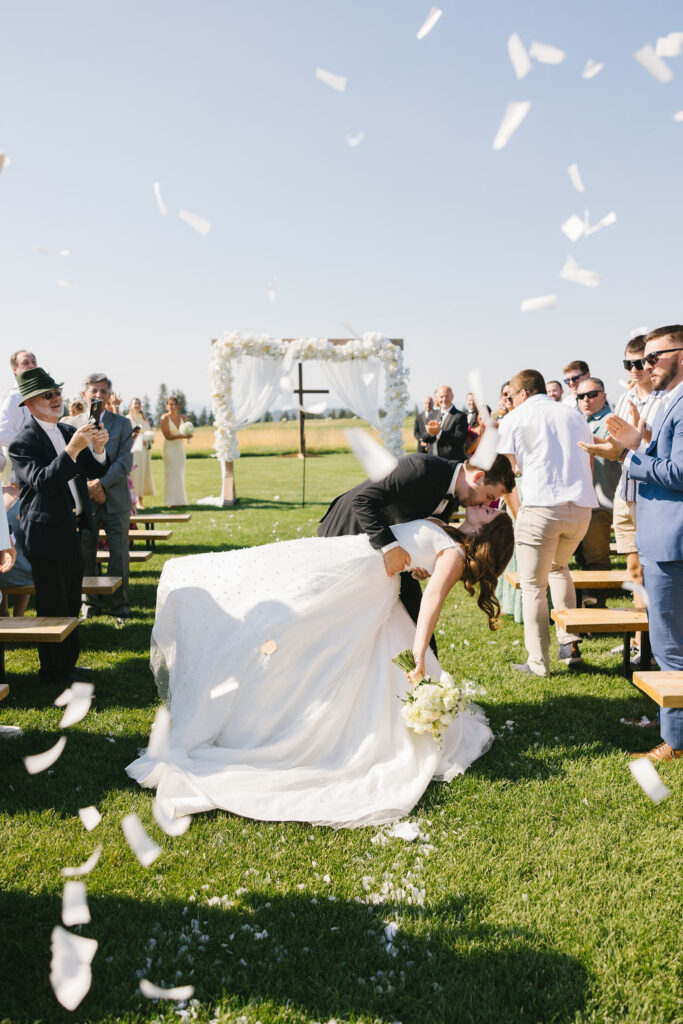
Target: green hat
34 382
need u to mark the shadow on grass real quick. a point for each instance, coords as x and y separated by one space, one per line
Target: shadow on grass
324 960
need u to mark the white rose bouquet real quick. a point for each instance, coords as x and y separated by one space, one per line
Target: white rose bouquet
148 438
432 704
186 429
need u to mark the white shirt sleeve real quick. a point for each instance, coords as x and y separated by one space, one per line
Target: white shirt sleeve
5 541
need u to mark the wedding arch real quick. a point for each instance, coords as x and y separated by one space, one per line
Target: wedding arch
249 371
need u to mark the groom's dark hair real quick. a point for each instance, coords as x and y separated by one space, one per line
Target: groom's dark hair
500 473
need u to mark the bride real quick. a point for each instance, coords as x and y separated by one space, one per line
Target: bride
275 662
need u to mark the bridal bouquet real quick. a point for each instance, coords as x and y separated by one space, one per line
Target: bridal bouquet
148 438
186 429
432 704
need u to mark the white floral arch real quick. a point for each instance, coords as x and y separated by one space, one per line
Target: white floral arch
247 371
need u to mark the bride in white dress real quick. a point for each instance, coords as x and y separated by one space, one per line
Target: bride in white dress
307 629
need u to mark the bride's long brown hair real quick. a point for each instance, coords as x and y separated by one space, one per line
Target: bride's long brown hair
486 555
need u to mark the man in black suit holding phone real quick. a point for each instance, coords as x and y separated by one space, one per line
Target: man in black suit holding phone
446 431
53 462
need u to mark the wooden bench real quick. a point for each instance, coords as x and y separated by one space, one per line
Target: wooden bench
134 556
665 688
149 536
4 691
90 585
586 579
609 620
161 517
39 629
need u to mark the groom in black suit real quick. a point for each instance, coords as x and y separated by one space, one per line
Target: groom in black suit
420 486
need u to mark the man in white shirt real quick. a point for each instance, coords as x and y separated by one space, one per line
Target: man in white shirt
542 437
14 416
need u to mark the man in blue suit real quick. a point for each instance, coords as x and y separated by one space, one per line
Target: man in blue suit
659 533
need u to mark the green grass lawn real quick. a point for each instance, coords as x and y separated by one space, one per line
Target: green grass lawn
547 888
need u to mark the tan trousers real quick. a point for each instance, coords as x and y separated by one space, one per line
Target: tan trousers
545 540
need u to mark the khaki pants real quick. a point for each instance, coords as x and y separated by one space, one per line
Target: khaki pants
545 540
595 553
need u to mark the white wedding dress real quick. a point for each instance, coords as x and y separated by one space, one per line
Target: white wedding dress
314 730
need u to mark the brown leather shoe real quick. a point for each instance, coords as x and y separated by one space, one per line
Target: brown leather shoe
661 753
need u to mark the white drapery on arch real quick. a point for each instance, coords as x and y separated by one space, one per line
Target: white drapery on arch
357 385
256 385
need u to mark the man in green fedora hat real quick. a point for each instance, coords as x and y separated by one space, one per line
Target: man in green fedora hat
53 462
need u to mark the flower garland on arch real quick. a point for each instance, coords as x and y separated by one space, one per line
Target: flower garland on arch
233 345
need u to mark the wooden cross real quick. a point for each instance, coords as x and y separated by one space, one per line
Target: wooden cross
301 391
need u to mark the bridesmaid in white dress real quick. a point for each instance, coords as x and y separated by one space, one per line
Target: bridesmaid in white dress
174 454
276 665
141 473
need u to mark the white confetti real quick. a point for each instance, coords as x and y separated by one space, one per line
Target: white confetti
519 58
35 763
486 451
573 228
678 116
377 462
160 203
161 730
144 848
604 222
78 703
90 817
336 82
75 905
539 303
354 140
317 409
575 177
70 971
637 588
648 59
86 867
406 830
51 252
225 687
670 46
544 53
66 284
151 991
4 162
430 21
10 732
571 271
512 118
171 826
647 777
272 286
200 224
477 388
592 68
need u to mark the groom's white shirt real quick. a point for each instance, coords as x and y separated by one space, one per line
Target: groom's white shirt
439 508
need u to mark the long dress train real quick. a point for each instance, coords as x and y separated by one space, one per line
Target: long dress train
314 730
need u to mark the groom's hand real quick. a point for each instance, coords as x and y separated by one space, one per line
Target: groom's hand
396 560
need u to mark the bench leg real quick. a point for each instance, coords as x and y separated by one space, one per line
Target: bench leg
645 650
627 654
2 664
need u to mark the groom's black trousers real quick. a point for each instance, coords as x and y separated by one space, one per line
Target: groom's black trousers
411 596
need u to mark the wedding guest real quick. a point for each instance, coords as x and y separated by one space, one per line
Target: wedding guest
13 415
111 505
114 403
174 454
446 432
420 425
53 461
77 413
503 407
20 574
141 474
554 390
471 410
573 373
594 552
542 436
659 530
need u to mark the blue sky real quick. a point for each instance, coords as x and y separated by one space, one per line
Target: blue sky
422 231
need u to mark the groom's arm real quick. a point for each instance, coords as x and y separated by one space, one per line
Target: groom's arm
405 484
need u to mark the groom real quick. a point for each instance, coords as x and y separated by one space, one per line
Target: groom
420 486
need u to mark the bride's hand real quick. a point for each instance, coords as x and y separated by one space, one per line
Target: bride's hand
396 560
418 673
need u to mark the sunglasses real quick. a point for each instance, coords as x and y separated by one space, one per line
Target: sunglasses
573 380
589 394
55 393
653 358
634 364
509 397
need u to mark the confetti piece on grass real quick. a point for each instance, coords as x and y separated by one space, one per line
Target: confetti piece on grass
647 777
90 817
406 830
36 763
75 908
144 848
70 970
86 867
151 991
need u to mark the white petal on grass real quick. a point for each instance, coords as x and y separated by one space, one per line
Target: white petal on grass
354 140
377 462
10 732
592 68
637 588
90 817
151 991
86 867
515 113
485 454
429 23
539 303
573 228
75 908
407 830
144 848
678 116
70 971
391 931
647 777
4 162
519 58
171 826
336 82
163 210
670 46
648 59
200 224
225 687
575 177
571 271
75 711
159 736
544 53
35 763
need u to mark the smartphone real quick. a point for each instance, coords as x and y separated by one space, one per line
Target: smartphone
95 412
